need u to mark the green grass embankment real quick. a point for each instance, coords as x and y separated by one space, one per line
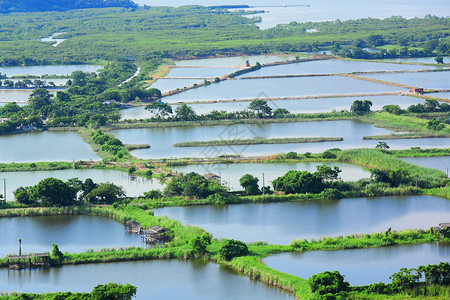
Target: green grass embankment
401 123
417 152
409 135
374 158
86 135
36 166
257 141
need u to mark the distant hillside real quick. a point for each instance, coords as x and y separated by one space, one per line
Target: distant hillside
8 6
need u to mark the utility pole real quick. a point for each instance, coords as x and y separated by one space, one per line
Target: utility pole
264 191
4 189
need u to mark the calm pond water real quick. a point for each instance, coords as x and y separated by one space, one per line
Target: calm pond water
233 61
162 139
294 106
56 81
440 95
279 87
382 262
16 95
430 80
200 72
425 60
70 233
45 146
48 69
156 279
440 163
231 173
281 223
331 67
132 188
323 10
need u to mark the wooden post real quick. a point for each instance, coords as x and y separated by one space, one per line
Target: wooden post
20 247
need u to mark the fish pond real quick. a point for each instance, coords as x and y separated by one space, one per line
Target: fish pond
428 80
45 146
441 163
162 139
200 72
281 223
280 87
48 70
155 279
331 67
71 233
231 173
356 263
133 186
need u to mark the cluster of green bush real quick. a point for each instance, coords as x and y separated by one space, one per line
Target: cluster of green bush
194 185
100 292
51 192
331 285
109 144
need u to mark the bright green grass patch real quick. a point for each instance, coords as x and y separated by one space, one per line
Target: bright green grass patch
256 141
374 158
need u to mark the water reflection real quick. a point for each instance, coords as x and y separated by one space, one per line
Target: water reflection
280 223
382 262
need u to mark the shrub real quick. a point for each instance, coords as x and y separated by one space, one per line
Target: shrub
328 282
233 248
328 155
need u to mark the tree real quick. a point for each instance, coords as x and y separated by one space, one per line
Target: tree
232 249
62 96
298 182
160 109
393 109
436 274
79 78
439 59
327 173
405 279
393 177
105 193
261 108
153 194
328 282
360 107
185 113
39 98
435 125
280 113
250 184
22 195
53 192
57 256
200 242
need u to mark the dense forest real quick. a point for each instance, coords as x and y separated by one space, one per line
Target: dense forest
8 6
200 31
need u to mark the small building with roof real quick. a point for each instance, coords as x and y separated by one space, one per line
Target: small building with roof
443 229
133 227
212 176
156 234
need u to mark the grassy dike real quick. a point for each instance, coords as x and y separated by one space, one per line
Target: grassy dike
251 265
374 158
257 141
